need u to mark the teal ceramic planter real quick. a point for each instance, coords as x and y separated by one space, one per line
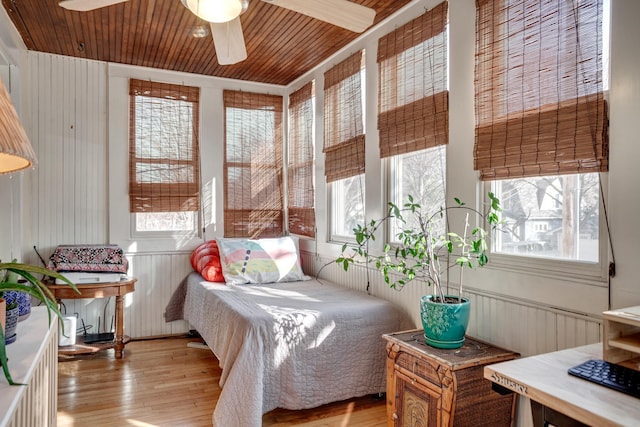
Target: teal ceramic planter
444 324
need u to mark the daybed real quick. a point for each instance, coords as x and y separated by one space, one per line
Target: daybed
290 345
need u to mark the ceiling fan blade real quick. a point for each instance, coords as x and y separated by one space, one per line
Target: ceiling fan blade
87 5
343 13
229 42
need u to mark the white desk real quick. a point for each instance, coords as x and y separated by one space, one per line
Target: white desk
544 379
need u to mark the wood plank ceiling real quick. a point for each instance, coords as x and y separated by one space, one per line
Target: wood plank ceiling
281 44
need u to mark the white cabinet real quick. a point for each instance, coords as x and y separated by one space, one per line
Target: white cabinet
33 360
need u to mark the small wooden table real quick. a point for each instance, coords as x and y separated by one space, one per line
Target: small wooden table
560 399
98 290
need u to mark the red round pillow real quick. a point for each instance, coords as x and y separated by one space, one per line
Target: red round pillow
205 259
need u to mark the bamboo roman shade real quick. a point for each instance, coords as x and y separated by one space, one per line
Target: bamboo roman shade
413 100
252 165
540 107
301 211
343 124
164 167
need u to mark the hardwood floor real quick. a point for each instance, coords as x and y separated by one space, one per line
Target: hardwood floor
165 383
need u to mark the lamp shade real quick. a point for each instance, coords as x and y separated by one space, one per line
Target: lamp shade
215 10
16 152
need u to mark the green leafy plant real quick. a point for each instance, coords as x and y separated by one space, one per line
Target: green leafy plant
426 250
10 273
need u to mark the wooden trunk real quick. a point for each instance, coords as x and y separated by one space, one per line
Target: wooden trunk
427 386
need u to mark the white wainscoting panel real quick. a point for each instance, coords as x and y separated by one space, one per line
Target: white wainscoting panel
158 277
522 326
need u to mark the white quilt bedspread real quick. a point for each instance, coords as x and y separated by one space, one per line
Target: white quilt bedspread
290 345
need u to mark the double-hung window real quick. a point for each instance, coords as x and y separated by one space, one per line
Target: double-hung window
164 167
301 201
413 110
344 144
541 123
252 165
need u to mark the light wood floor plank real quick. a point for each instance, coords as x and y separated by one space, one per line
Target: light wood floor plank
165 383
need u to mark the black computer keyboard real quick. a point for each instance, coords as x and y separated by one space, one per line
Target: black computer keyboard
610 375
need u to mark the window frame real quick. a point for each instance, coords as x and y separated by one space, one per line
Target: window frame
334 237
389 178
158 86
344 152
237 104
293 154
594 273
193 232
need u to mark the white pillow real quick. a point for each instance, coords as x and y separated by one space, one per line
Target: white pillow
260 260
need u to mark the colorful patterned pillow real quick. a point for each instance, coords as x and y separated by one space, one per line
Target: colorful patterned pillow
261 260
205 259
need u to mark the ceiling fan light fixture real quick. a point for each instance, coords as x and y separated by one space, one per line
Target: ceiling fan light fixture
215 10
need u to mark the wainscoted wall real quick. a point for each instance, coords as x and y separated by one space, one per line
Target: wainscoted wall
66 197
67 193
525 327
158 277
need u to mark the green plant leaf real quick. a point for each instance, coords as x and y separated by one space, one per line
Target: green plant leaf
4 361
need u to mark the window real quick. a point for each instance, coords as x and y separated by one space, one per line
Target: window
301 211
541 122
421 174
252 165
347 206
413 110
164 174
344 143
551 216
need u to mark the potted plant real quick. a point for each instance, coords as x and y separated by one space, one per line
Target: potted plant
11 321
9 272
427 251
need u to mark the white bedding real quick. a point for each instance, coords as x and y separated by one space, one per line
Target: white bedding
290 345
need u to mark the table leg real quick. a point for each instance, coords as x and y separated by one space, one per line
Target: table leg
119 345
546 417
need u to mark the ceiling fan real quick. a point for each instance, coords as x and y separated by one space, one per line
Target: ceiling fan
226 28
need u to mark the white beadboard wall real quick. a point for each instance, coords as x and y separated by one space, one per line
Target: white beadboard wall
521 326
67 125
158 277
67 201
